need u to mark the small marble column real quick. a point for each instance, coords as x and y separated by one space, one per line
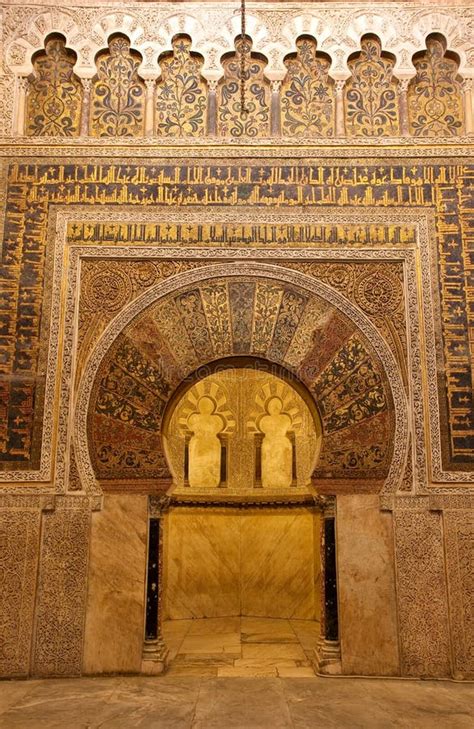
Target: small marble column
20 111
340 117
275 110
86 102
467 88
211 120
150 84
154 653
403 107
328 651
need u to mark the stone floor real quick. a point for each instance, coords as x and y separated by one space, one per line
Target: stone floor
226 647
179 702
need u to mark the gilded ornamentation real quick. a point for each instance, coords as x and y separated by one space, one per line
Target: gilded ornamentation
205 465
256 121
307 93
371 93
220 318
276 449
54 96
266 436
118 93
378 293
435 98
181 93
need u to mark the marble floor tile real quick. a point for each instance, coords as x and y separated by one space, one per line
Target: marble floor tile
273 651
284 671
215 626
235 702
337 703
267 630
220 643
307 632
242 703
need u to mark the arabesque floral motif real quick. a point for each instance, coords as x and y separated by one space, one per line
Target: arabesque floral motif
307 93
435 106
181 94
54 94
371 93
118 93
256 122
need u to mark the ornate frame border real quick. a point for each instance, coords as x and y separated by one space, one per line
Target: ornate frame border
421 300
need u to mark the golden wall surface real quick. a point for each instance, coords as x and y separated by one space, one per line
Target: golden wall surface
262 563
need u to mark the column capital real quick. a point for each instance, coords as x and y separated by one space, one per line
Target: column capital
403 84
86 84
23 83
339 85
158 505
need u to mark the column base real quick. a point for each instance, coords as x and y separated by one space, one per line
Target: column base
154 657
327 657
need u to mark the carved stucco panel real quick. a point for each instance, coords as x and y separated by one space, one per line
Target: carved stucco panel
61 601
20 529
422 594
459 541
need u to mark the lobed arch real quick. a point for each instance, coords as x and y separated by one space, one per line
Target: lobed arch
387 426
400 38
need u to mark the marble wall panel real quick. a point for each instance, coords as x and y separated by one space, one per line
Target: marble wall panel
61 599
116 594
422 594
366 584
228 562
20 532
278 573
202 558
459 545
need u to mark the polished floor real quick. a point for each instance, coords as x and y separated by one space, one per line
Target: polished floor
241 646
180 702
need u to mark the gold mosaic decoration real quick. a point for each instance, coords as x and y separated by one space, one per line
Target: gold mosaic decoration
230 121
435 103
441 188
371 102
118 94
54 97
181 93
307 93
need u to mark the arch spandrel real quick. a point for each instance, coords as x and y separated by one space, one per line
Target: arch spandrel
256 316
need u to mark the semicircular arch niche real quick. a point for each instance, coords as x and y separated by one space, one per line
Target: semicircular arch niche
268 313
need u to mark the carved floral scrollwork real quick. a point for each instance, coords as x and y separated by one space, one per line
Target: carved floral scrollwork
181 96
256 121
118 94
435 95
371 93
54 97
307 93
